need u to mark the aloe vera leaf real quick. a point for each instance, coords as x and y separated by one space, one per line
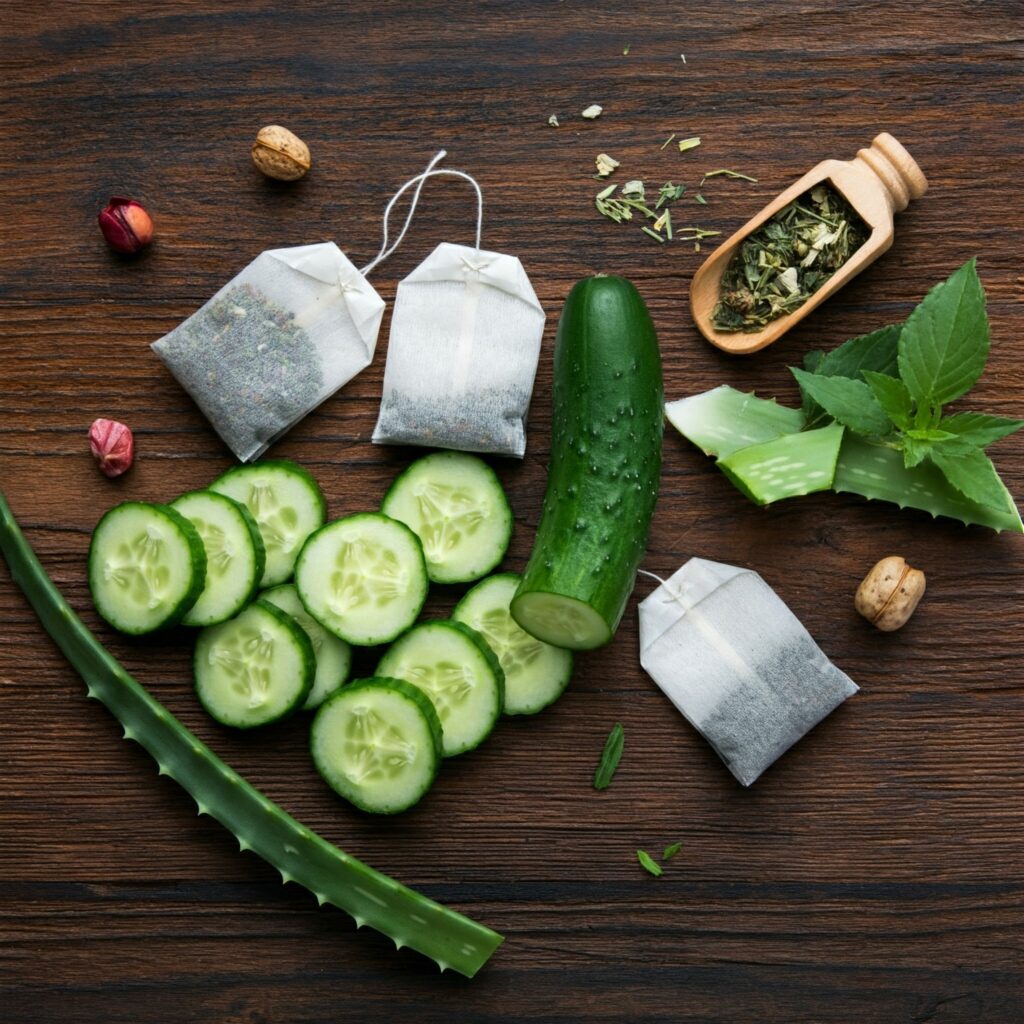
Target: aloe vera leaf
876 472
724 420
786 467
298 853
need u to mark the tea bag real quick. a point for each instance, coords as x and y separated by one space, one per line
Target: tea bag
737 663
462 354
280 337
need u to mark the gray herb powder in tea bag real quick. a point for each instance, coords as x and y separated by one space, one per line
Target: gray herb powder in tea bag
737 663
283 335
462 353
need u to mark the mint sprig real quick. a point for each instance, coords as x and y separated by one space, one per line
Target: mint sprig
890 387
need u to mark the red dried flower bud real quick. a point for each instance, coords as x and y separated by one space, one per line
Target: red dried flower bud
113 445
125 225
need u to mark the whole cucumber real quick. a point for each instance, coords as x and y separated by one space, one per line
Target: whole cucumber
605 463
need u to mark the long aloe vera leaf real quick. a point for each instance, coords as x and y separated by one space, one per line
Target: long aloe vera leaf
298 853
790 465
876 472
724 420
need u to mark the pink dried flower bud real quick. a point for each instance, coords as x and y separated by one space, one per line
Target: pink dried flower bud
125 225
113 445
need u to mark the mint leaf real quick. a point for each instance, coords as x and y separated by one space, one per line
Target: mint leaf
971 472
849 402
671 851
892 396
931 435
914 451
812 360
979 428
876 351
944 343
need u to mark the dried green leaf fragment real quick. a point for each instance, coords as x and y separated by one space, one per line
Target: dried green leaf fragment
610 757
671 851
686 144
593 111
648 863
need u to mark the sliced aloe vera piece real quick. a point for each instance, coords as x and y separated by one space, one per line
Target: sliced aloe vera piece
786 467
725 420
879 473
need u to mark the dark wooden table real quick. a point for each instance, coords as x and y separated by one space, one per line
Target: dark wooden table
876 873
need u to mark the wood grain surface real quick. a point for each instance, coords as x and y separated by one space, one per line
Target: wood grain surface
874 874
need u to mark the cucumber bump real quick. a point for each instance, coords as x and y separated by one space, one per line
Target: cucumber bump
605 463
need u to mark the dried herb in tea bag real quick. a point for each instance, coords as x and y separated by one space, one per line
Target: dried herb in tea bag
787 259
737 663
287 332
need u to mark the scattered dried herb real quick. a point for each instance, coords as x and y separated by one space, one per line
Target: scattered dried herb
671 851
786 260
605 164
648 863
726 173
610 757
668 140
698 198
632 198
625 51
685 144
553 121
594 110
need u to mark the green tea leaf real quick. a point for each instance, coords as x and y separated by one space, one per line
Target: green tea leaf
944 343
971 472
979 428
892 396
648 862
876 351
610 757
671 851
847 401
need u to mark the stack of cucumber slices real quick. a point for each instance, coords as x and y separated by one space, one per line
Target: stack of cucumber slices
282 597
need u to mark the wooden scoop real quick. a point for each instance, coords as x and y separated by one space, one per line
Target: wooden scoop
879 182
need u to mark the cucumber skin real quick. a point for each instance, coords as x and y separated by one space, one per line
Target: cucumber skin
308 659
605 466
197 553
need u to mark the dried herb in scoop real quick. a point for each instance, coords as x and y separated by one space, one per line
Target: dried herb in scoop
786 260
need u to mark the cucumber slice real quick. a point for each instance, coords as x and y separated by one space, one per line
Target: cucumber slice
377 743
287 505
333 656
147 566
452 664
363 578
454 503
536 674
254 669
235 555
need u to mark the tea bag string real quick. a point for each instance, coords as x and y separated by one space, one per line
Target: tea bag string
728 653
419 181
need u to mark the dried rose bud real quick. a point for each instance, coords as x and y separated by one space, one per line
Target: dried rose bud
113 445
125 225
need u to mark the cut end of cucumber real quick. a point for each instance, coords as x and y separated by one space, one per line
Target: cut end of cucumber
561 621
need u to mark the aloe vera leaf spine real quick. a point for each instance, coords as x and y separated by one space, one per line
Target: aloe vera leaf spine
297 852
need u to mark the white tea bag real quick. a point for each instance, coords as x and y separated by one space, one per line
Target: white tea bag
280 337
737 663
462 354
